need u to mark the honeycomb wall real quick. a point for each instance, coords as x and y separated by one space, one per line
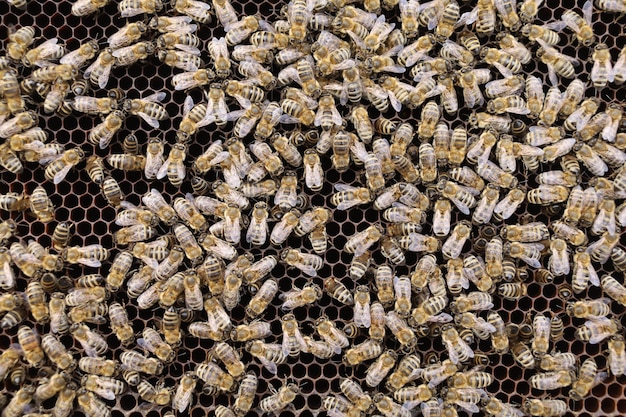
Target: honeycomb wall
79 200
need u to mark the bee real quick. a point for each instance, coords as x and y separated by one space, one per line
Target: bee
95 169
59 168
93 105
147 108
128 34
89 404
130 8
602 70
29 342
556 62
19 42
191 79
106 387
348 196
184 391
544 408
504 87
504 62
614 289
588 377
184 60
57 353
65 401
469 80
157 204
158 395
21 399
280 400
43 55
362 241
262 298
495 407
618 256
405 372
174 167
581 25
131 54
454 244
102 134
367 350
135 361
41 205
270 354
255 330
10 89
9 160
98 366
18 124
81 56
153 342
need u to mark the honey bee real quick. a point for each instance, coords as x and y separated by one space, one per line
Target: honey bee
18 124
41 205
556 62
43 55
280 400
255 330
19 42
182 59
270 354
504 87
581 25
98 366
602 70
135 361
102 134
81 56
89 404
60 167
495 407
174 167
453 246
30 344
588 377
19 402
105 387
158 395
131 54
147 108
188 80
89 255
10 89
65 401
93 105
130 8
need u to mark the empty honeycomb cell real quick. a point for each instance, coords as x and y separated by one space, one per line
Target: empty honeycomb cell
608 405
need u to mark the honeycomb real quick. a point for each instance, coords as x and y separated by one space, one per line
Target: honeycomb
80 201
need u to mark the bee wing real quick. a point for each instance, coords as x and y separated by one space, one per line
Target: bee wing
188 48
362 317
117 39
183 81
462 207
393 100
441 318
359 42
153 165
557 26
162 172
610 131
570 21
69 57
285 345
588 12
307 269
467 406
131 11
348 63
104 140
60 176
154 123
467 18
122 51
503 70
271 366
397 69
344 187
94 263
156 97
593 276
552 76
103 78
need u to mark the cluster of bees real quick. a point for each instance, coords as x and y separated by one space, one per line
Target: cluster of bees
338 65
